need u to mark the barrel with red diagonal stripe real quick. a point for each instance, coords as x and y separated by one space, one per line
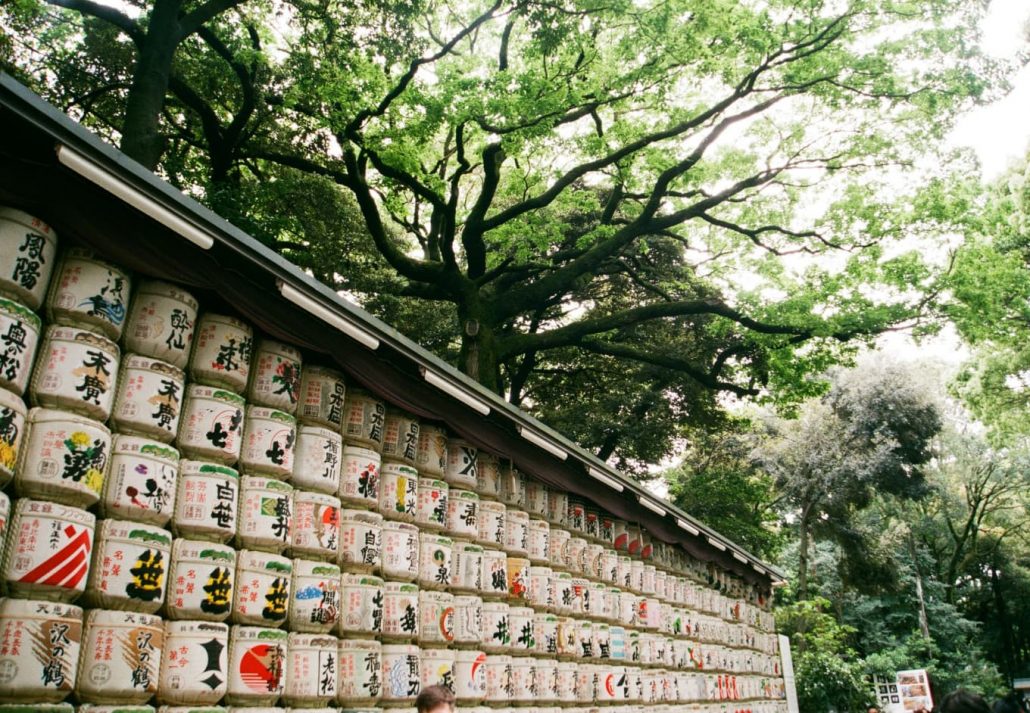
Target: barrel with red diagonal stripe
48 553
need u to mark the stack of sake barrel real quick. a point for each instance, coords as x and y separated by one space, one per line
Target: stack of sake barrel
201 519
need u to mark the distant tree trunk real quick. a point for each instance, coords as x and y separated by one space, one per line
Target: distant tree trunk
1008 662
924 622
803 544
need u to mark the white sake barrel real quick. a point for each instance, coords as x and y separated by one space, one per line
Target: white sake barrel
667 618
434 561
77 371
28 248
580 594
624 571
364 419
361 672
557 508
586 683
266 514
537 498
400 436
499 684
636 576
587 642
361 540
620 530
647 580
317 459
634 647
591 560
626 607
431 453
402 673
461 464
577 516
88 292
608 566
400 551
141 481
257 665
516 532
488 476
206 501
568 639
635 541
194 663
495 574
398 491
562 592
617 638
538 593
545 633
566 681
120 657
312 670
275 376
315 599
222 352
520 622
322 395
466 567
200 581
211 427
491 523
149 400
161 322
606 529
437 667
468 620
400 611
5 518
262 592
63 457
496 625
593 523
48 549
359 479
436 618
130 566
538 540
523 679
557 548
269 437
601 640
431 506
20 330
362 601
12 431
608 689
646 546
462 514
315 531
518 579
546 680
469 676
40 651
513 485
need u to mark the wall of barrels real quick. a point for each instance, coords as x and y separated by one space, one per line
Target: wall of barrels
194 516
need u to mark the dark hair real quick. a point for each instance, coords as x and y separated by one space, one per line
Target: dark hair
432 696
962 701
1008 704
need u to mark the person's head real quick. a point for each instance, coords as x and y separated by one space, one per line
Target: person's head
873 709
1008 704
435 699
962 701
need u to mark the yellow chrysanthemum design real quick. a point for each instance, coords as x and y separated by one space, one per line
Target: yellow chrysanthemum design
80 439
94 480
7 455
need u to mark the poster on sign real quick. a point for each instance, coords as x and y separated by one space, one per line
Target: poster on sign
914 689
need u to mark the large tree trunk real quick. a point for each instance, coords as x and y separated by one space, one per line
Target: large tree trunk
479 356
141 134
924 621
803 545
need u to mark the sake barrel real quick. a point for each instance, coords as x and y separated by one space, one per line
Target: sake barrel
402 673
546 680
266 514
400 551
222 352
431 506
601 641
624 571
606 529
580 592
617 638
398 491
322 394
149 400
513 485
257 665
161 322
88 292
466 567
317 459
537 498
361 672
562 592
635 541
64 457
28 248
431 455
568 639
520 622
608 688
469 676
362 601
194 663
5 517
275 375
558 508
437 667
557 548
400 437
77 371
488 476
595 604
538 535
461 464
48 549
636 576
468 620
577 515
400 611
538 593
315 531
364 419
523 679
516 532
495 574
462 514
312 670
200 581
496 627
586 639
359 479
575 558
39 653
566 680
545 634
608 566
499 689
434 561
206 501
130 566
269 437
591 560
12 432
491 523
646 546
436 618
262 592
141 481
121 657
627 604
620 530
19 339
592 521
316 600
361 540
211 427
647 580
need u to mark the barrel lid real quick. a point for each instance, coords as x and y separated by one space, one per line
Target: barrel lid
199 467
29 221
196 627
22 312
139 361
138 531
136 445
110 617
372 518
352 579
275 346
259 633
256 481
364 452
204 550
12 401
255 411
213 392
310 568
321 431
253 559
167 289
75 334
31 608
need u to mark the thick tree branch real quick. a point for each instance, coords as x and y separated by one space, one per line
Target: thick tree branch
192 21
106 13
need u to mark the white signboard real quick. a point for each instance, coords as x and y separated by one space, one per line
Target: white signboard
787 662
